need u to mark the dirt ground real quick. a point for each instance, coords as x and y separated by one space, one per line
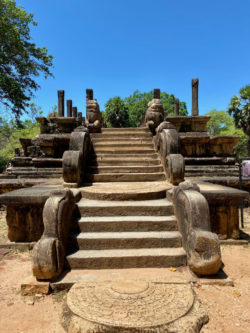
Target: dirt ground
228 307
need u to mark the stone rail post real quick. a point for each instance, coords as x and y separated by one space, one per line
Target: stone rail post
79 116
176 107
69 108
74 111
60 94
89 95
195 86
157 93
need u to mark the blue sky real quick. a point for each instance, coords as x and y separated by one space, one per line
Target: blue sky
116 46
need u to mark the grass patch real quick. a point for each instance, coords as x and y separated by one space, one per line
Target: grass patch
59 296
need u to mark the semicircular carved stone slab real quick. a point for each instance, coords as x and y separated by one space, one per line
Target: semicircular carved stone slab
49 252
202 246
133 306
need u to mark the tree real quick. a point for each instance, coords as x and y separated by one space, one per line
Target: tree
239 108
222 124
20 59
116 113
138 102
219 123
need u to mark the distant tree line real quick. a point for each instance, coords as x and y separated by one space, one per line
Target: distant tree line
128 112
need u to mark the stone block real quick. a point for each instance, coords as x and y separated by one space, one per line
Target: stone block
32 287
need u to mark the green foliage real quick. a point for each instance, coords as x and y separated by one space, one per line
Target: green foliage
219 123
20 59
222 124
11 131
137 104
116 114
239 108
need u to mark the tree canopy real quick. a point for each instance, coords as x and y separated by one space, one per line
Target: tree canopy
221 123
239 108
137 103
116 114
20 59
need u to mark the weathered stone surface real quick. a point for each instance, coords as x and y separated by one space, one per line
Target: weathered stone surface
189 123
154 114
60 94
94 121
224 203
24 223
75 159
130 306
167 142
31 287
48 254
192 212
195 86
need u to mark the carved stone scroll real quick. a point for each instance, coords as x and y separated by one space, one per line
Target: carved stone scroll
74 159
202 246
49 252
167 142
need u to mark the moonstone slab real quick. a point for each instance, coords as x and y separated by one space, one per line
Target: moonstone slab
132 306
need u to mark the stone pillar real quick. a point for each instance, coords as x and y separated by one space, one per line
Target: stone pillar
79 115
89 95
60 94
176 107
157 93
75 111
69 108
195 85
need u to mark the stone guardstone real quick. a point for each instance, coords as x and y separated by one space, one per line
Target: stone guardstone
136 306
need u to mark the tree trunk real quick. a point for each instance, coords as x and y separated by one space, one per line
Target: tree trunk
248 147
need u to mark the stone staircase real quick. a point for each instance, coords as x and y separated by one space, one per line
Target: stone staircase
128 222
124 155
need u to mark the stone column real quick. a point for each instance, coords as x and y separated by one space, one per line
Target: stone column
60 94
75 111
195 85
157 93
79 115
176 107
69 108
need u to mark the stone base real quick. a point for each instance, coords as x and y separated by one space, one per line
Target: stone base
133 306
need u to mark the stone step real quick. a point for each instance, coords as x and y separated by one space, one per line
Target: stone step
126 151
128 258
124 141
128 223
126 161
121 135
90 208
122 146
132 130
126 156
124 169
195 161
125 190
125 177
210 167
127 240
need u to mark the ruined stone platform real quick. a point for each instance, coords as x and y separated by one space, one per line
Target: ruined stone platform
133 306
